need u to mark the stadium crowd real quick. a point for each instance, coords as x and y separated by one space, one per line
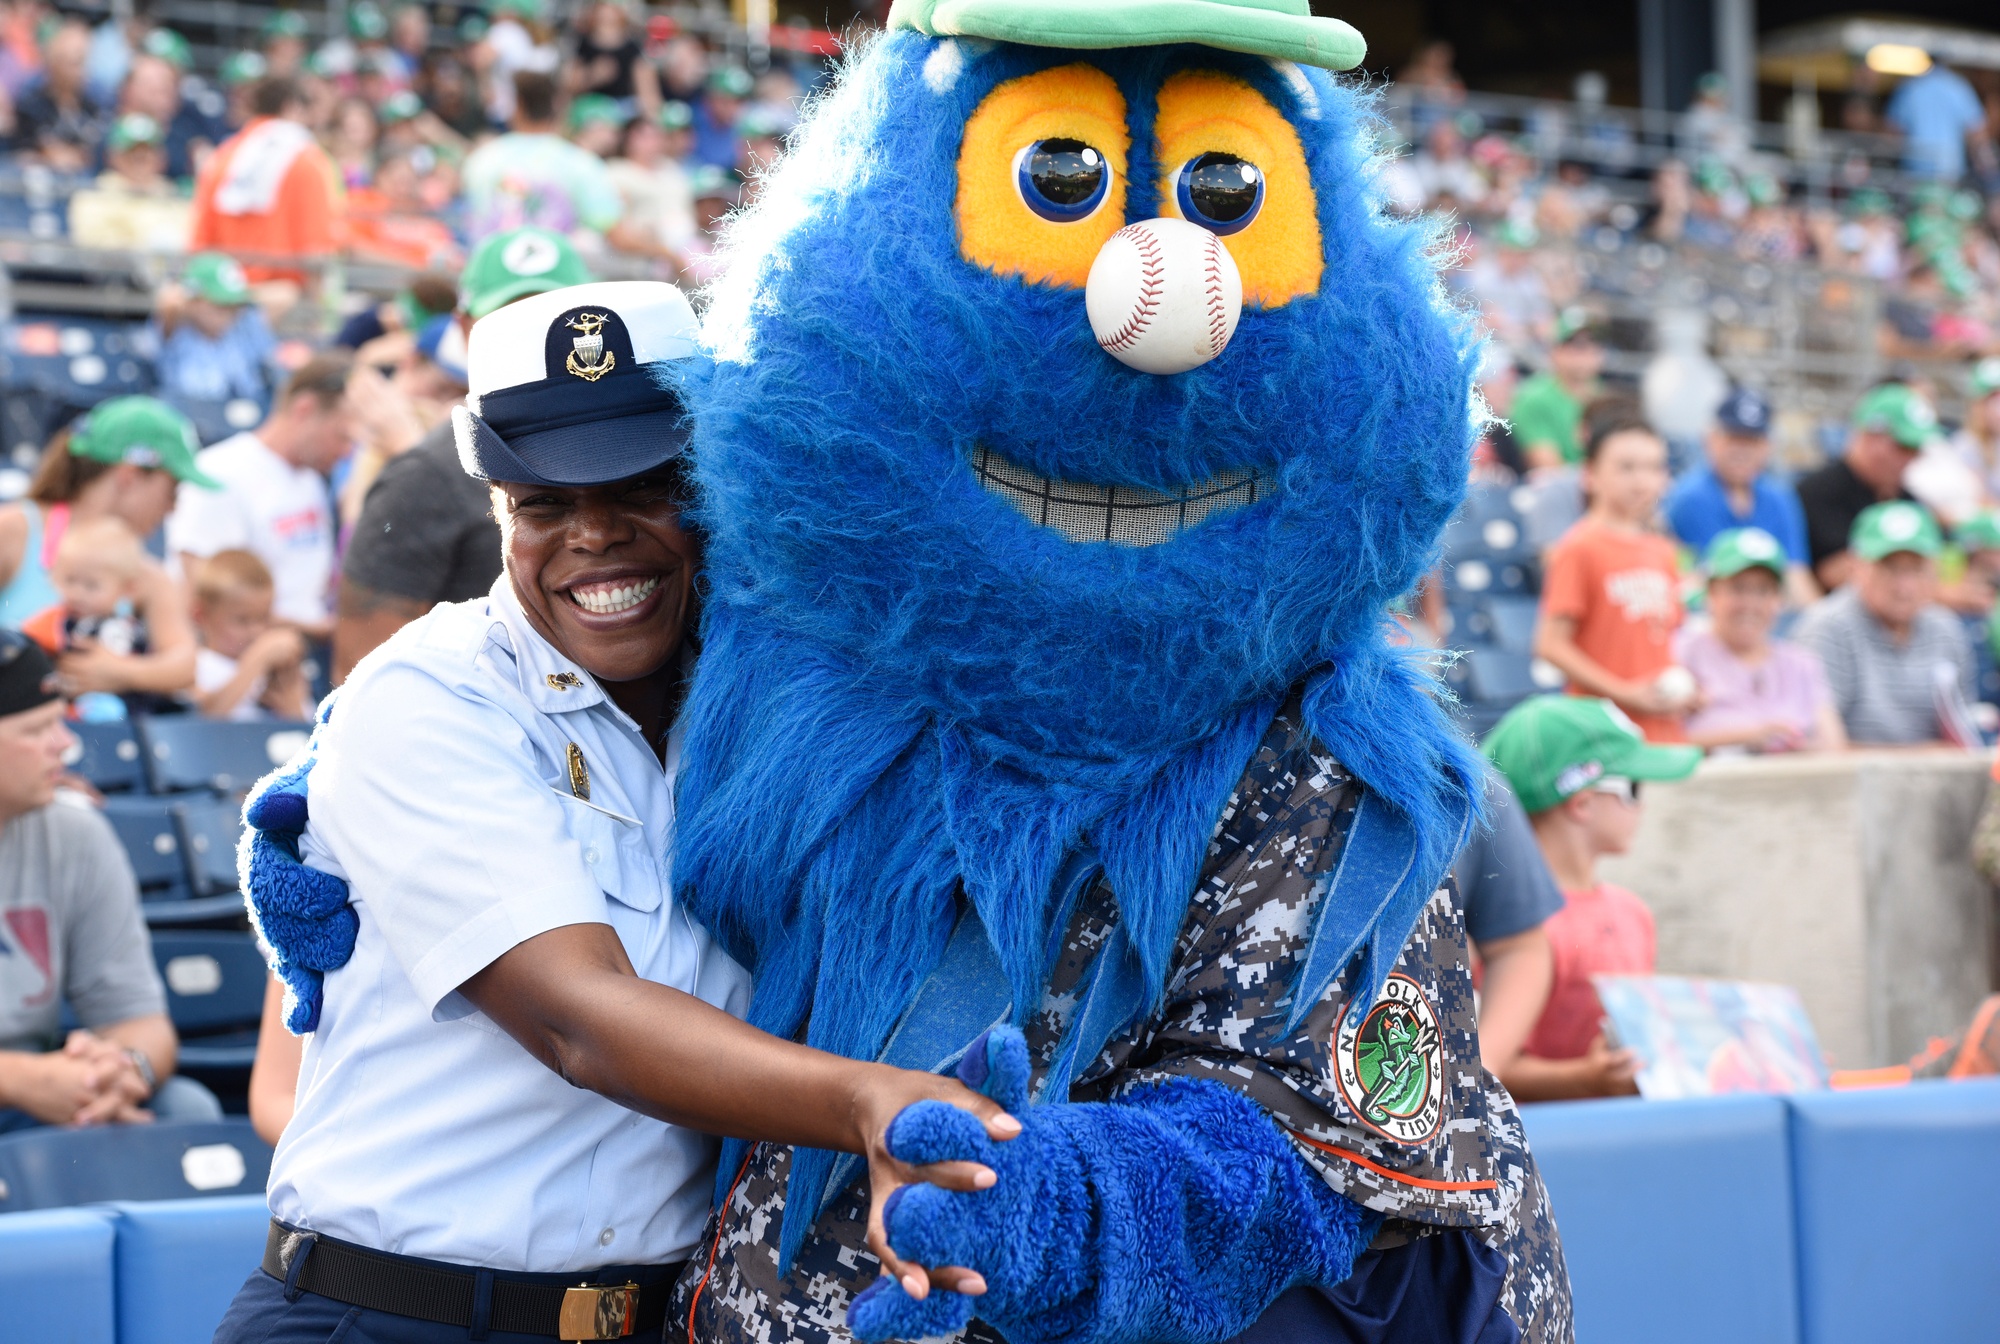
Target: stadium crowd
1696 592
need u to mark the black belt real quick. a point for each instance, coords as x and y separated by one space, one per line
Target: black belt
426 1290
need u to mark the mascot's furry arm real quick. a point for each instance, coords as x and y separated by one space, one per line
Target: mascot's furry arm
302 915
1177 1214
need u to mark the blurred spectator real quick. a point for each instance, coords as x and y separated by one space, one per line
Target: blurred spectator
1672 201
653 183
1709 127
273 499
716 115
1443 170
1576 765
1977 442
350 141
715 191
248 667
611 60
215 345
597 124
241 71
409 41
533 177
426 532
123 460
152 88
1513 296
1548 406
1509 894
270 191
284 44
1938 115
425 297
132 204
99 575
517 43
393 411
1611 596
1890 426
451 94
1431 83
1898 662
1497 454
1976 594
274 1074
1757 692
73 937
56 121
684 68
391 220
1734 488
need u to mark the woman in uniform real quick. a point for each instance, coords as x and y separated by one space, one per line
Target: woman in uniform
503 1114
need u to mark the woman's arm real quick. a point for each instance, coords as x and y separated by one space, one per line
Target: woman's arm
1555 640
1519 970
13 542
1599 1072
169 665
1830 734
573 1001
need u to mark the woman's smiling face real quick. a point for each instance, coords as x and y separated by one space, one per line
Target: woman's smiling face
604 572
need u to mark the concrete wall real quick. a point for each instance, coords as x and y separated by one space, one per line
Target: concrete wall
1846 876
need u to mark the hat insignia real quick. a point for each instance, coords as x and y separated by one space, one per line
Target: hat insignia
589 360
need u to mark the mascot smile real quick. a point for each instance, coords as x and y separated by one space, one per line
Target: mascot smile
1076 415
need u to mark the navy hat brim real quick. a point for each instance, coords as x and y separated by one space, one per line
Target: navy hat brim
639 426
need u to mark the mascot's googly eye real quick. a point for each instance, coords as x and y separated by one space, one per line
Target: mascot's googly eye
1062 180
1220 192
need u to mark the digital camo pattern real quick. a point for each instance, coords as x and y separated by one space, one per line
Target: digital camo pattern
1222 1019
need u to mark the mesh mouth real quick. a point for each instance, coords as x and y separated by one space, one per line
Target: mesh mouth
1123 515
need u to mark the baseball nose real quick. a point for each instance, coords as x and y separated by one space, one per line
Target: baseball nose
1163 296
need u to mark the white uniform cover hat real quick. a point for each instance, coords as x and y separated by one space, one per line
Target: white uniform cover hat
575 386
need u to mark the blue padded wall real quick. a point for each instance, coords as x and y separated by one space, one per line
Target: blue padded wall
56 1278
180 1263
1899 1213
1676 1217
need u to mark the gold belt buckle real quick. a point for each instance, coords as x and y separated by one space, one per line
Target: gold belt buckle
598 1312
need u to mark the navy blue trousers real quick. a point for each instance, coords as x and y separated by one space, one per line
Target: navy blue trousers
260 1315
1439 1289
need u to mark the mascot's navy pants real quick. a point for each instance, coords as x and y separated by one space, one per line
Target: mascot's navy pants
1438 1289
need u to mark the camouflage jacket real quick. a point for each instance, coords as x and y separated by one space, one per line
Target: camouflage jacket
1395 1113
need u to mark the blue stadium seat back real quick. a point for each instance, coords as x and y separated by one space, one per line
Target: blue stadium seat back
80 360
180 1262
107 755
1496 620
1499 677
232 1052
151 835
1986 672
58 1168
1486 525
57 1276
210 828
1897 1232
187 752
1483 573
215 978
215 421
1676 1217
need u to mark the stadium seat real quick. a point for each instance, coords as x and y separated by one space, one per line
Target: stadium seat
215 995
1505 621
179 1263
1897 1228
57 1277
151 835
1501 677
56 1168
1676 1217
211 827
107 754
185 751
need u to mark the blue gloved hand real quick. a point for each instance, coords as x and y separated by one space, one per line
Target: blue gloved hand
303 915
1177 1214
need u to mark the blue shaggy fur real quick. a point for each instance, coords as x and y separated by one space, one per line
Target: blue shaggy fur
906 686
1176 1215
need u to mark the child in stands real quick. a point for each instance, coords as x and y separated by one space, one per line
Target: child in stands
1611 598
248 667
96 571
1576 764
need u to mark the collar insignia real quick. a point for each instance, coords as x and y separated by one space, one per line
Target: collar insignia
589 360
579 774
563 681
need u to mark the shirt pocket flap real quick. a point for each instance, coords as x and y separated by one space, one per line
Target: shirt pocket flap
617 855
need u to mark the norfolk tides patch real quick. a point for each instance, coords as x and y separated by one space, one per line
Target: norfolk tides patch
1390 1065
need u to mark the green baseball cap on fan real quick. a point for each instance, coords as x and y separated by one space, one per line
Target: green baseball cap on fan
144 432
1900 412
1553 747
1884 529
1742 548
515 264
217 278
1281 29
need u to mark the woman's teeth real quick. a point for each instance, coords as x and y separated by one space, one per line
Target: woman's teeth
608 599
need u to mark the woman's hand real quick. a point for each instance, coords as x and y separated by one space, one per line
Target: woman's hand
880 1097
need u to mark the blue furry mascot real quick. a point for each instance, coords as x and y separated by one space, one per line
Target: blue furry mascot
1047 724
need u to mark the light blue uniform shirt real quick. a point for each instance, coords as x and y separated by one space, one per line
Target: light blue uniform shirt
443 796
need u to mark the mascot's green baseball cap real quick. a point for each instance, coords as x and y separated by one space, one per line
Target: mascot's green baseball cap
1283 29
515 264
1900 412
1553 747
1884 529
1742 548
143 431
